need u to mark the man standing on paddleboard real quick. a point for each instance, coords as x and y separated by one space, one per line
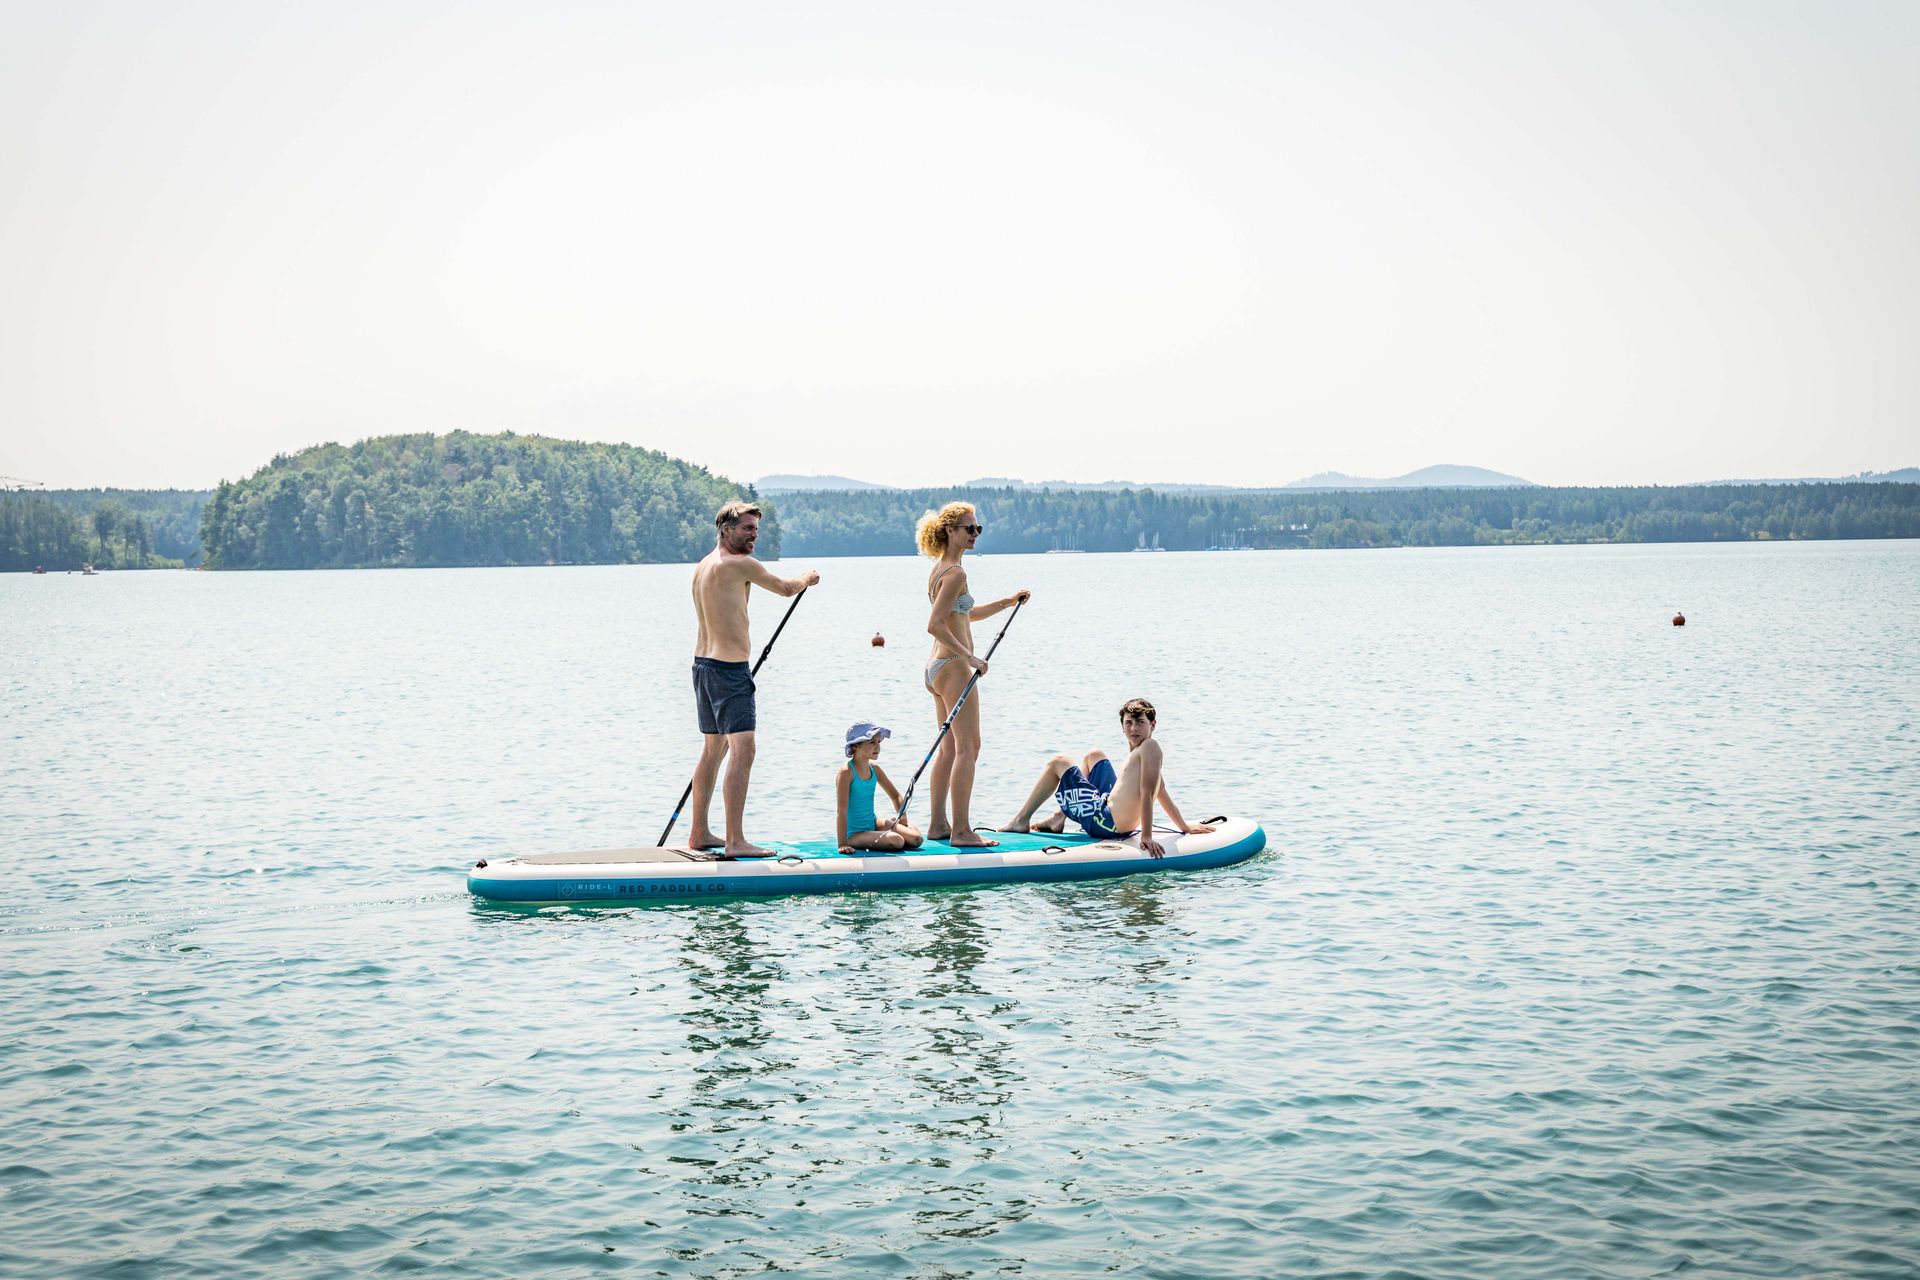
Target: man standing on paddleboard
722 683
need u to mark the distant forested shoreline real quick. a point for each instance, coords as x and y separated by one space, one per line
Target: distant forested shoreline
868 522
464 499
65 529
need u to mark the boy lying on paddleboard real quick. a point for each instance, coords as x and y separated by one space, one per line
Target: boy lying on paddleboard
856 828
1106 804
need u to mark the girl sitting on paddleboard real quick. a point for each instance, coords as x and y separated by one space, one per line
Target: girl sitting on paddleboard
946 536
856 825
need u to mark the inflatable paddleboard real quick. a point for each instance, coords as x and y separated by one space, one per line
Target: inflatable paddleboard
815 866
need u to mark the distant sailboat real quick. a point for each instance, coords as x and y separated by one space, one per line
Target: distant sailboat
1144 547
1069 550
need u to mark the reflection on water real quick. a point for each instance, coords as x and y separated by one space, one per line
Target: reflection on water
934 1027
737 1067
1123 947
964 1072
726 1024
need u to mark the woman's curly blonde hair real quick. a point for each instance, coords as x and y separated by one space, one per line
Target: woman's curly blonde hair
931 532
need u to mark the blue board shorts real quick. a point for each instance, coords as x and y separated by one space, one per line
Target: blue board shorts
1083 797
723 696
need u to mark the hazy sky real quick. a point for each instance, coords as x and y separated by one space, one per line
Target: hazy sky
1584 243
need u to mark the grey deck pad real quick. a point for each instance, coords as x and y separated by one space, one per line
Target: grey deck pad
594 857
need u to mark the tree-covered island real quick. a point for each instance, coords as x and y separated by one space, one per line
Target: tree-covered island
465 499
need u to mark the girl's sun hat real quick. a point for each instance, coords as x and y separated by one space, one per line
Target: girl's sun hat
866 731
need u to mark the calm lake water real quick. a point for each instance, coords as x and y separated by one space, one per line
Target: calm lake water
1585 945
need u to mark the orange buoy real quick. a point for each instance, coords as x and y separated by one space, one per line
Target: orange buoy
1679 619
879 641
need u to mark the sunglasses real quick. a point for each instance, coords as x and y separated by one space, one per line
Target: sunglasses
975 529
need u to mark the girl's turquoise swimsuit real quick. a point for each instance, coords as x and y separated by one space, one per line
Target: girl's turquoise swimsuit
860 802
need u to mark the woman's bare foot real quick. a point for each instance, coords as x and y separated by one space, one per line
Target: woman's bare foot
972 840
745 850
704 840
1015 827
941 836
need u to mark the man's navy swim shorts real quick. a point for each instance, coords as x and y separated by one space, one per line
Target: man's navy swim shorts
723 695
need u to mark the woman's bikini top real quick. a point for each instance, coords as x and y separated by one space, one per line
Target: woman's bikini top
963 603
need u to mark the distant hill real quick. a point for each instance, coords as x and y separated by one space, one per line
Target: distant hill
1440 477
813 484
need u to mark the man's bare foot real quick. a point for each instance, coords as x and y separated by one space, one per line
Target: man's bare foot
704 840
745 850
1016 827
973 840
942 836
1056 824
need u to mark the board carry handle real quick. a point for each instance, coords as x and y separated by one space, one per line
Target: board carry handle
750 675
961 702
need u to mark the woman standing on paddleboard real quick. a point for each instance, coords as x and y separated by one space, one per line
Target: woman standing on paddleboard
947 536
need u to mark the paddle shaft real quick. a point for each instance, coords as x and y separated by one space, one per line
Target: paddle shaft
756 671
948 723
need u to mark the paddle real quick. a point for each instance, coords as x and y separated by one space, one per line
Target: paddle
756 671
948 723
